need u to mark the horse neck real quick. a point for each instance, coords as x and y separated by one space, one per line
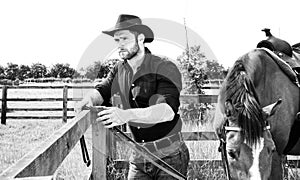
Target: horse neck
276 85
270 81
266 76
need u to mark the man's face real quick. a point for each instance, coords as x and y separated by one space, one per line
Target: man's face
127 44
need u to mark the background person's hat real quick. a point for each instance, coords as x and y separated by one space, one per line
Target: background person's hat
134 23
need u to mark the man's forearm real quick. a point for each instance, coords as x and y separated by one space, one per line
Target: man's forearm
154 114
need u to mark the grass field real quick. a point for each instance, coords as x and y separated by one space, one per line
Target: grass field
19 137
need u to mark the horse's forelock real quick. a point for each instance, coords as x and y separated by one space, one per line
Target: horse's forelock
240 90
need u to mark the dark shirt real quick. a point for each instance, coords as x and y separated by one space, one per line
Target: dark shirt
157 80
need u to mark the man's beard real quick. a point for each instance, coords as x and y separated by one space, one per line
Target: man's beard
129 54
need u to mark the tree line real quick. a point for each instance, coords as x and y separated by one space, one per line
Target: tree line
193 64
60 70
37 70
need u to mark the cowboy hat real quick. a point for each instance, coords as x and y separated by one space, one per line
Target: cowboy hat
134 23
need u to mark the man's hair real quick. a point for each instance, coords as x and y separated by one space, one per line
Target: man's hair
135 33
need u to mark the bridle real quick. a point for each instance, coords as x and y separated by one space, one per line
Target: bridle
223 151
222 137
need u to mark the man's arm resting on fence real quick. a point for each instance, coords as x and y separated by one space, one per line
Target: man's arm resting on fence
113 116
94 98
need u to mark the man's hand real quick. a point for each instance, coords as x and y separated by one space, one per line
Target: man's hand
94 98
112 116
85 103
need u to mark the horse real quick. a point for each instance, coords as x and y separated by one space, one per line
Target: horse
255 113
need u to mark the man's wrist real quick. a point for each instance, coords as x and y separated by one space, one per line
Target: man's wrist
128 115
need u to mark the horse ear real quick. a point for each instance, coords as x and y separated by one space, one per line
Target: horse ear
270 109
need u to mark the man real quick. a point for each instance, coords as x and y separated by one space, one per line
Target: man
149 87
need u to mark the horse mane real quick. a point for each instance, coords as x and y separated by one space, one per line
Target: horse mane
240 90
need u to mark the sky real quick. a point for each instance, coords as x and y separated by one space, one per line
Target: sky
70 31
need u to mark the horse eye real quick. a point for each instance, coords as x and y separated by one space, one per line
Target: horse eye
233 154
228 113
271 150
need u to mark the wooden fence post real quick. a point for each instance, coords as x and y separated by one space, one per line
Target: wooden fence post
65 104
4 104
99 161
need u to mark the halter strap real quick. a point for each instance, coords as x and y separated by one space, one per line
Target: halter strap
233 128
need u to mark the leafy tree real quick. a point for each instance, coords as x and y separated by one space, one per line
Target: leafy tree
91 71
192 66
76 75
99 70
24 72
214 70
2 72
106 67
61 71
12 71
38 70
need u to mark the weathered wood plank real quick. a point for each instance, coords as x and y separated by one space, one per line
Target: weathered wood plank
4 105
208 98
194 136
196 98
46 158
50 87
123 164
42 99
74 87
99 149
36 178
199 98
37 117
38 109
211 87
199 136
35 99
215 163
65 104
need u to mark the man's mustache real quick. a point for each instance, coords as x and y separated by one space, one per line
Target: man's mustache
122 50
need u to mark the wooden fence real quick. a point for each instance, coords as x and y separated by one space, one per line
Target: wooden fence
45 159
42 162
65 99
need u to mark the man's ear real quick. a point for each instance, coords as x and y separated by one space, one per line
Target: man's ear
270 109
141 38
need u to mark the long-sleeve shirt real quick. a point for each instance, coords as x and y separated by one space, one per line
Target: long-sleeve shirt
157 80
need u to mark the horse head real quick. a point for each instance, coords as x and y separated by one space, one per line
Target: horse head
246 159
243 123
